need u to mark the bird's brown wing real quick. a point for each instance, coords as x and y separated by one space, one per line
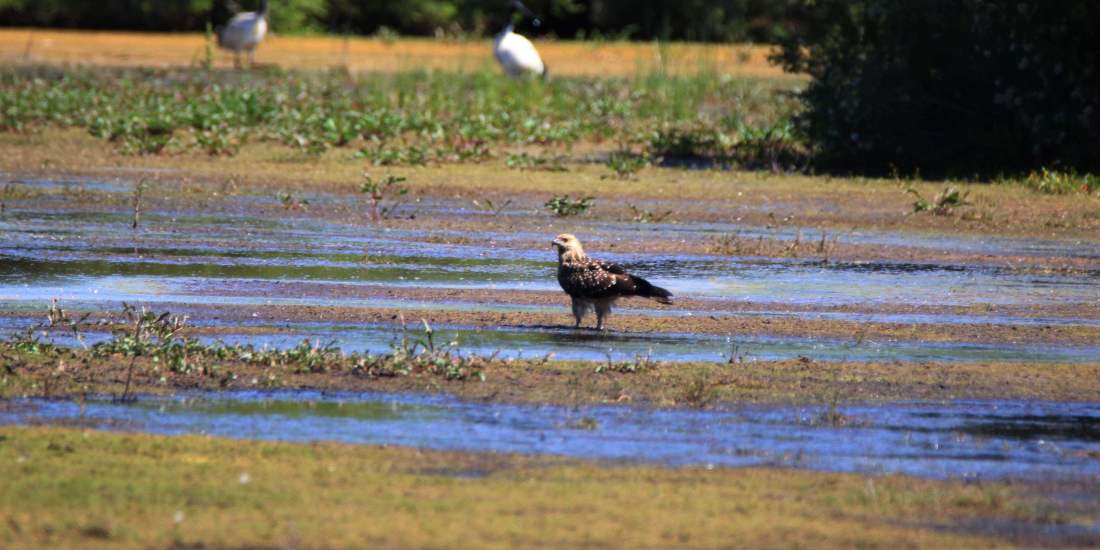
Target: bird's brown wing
620 283
594 279
588 279
609 267
608 280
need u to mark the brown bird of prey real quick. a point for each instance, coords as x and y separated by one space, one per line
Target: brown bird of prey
593 284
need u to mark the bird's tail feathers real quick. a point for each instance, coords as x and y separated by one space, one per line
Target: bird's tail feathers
649 290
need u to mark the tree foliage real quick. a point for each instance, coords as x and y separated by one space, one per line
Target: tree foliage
949 86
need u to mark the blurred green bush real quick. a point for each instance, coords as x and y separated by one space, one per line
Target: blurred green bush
949 87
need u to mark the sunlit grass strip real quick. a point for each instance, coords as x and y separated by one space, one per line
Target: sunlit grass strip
68 488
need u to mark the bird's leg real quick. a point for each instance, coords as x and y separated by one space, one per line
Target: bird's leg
603 309
578 312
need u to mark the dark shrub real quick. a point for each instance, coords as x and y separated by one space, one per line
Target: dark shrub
949 86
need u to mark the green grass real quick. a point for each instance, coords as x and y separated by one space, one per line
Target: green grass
564 206
71 488
1056 182
407 118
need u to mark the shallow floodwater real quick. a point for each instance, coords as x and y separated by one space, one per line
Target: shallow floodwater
189 261
965 439
66 253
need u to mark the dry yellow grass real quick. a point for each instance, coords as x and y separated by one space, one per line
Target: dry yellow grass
567 58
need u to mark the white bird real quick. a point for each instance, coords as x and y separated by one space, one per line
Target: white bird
514 51
244 32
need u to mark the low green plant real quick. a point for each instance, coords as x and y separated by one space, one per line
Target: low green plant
148 334
151 335
384 194
29 341
148 338
943 204
33 340
563 206
59 318
291 202
626 164
312 356
410 355
1062 183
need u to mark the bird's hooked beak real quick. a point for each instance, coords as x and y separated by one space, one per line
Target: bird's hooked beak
557 243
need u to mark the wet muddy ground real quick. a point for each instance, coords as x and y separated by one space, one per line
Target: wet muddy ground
916 350
247 269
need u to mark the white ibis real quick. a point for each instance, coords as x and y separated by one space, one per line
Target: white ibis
244 32
515 53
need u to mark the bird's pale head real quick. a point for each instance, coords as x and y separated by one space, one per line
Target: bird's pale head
568 245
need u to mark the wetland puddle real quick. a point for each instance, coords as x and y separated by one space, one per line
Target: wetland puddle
969 439
212 264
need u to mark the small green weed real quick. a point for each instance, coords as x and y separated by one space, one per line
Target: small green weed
421 355
379 192
563 206
291 202
1062 183
29 341
625 164
943 204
